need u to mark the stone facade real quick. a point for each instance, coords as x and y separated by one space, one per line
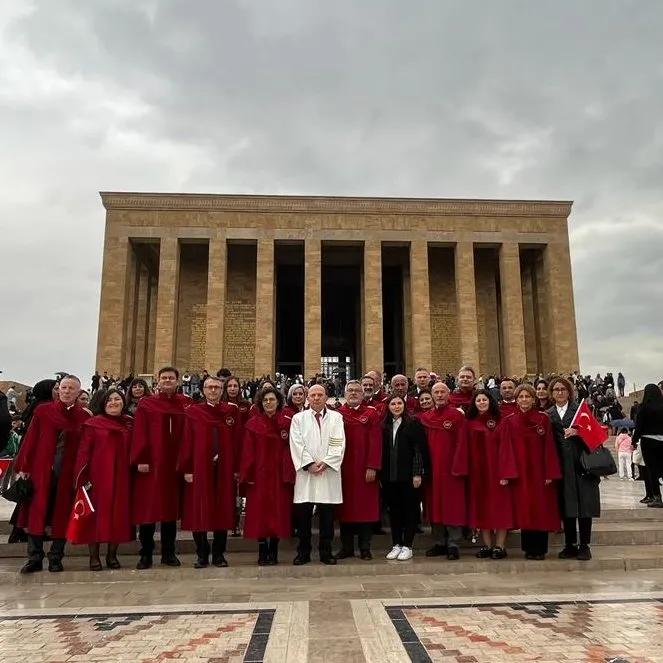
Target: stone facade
190 280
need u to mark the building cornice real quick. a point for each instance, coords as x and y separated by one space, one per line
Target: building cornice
334 205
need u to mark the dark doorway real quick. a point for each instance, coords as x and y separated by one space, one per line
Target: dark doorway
289 274
394 263
341 309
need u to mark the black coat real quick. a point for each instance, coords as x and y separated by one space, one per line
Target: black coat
409 454
579 495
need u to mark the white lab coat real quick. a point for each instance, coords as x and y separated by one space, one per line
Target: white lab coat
310 444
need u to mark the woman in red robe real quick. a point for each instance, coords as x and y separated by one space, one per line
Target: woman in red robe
295 401
543 401
269 474
530 463
103 461
490 503
425 399
232 394
209 462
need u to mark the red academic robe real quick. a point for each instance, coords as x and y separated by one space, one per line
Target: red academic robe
36 456
508 408
490 505
269 474
208 502
103 460
243 407
363 451
461 399
158 430
446 499
412 404
528 446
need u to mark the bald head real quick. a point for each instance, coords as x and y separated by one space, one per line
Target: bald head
317 397
440 393
399 386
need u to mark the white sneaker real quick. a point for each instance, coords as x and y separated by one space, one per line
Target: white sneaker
394 552
405 554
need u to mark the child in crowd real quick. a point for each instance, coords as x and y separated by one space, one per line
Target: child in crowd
624 448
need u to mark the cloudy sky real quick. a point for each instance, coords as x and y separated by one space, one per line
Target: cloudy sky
464 98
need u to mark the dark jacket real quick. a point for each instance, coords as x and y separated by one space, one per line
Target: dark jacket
579 495
648 422
405 459
5 421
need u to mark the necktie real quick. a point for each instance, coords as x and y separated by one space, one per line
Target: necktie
318 416
215 443
59 452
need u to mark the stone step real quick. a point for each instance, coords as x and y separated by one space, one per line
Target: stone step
243 566
639 533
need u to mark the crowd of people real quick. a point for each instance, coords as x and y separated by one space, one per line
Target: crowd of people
485 455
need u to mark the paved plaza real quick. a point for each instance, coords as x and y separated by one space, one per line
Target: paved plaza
423 610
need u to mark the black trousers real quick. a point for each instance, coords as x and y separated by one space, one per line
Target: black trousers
652 453
168 535
325 513
403 504
36 549
363 532
534 542
571 534
652 486
219 542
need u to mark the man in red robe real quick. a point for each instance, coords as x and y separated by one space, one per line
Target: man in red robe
371 397
209 460
399 385
462 395
362 460
507 399
48 455
158 430
446 500
380 396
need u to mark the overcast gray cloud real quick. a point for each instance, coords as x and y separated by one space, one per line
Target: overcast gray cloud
511 99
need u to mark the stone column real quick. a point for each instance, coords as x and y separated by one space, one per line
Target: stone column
558 291
514 361
466 298
312 307
216 302
373 344
131 303
422 356
264 354
112 334
167 296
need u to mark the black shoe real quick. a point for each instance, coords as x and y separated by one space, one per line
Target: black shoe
644 500
569 552
170 560
436 551
453 554
32 567
498 553
112 563
95 564
344 554
144 563
655 504
300 560
538 558
329 560
366 555
584 554
201 563
220 561
273 552
56 566
484 552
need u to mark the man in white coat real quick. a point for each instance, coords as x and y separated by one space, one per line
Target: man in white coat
317 445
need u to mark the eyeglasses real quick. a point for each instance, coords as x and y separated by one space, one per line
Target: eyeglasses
560 389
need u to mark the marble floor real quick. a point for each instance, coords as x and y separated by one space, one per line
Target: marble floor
551 616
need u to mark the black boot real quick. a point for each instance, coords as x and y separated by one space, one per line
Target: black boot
111 557
263 553
95 562
273 552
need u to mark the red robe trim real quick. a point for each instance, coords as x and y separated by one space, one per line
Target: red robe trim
36 456
267 469
363 451
508 408
490 505
461 399
208 502
527 439
103 460
158 431
446 500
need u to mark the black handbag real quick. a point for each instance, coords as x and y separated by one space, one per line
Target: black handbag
14 488
598 463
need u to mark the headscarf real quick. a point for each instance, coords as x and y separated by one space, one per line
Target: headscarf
42 392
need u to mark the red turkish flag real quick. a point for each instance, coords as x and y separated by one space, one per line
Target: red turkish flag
82 510
589 429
